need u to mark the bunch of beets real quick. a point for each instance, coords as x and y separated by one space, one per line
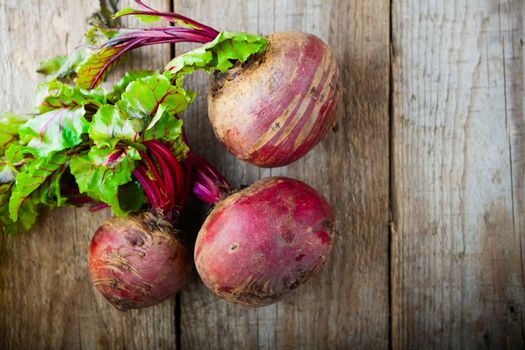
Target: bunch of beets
271 100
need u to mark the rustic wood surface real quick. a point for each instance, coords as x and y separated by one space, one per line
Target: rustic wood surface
457 175
426 173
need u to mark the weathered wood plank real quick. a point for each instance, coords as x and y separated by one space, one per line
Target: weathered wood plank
346 305
514 59
46 298
458 155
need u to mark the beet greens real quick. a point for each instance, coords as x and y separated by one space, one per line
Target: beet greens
102 143
124 147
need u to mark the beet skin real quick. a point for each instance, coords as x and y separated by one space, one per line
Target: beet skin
261 243
137 261
272 110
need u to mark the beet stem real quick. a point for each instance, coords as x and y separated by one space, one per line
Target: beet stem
166 179
158 36
100 74
169 16
153 168
209 184
163 152
150 189
98 207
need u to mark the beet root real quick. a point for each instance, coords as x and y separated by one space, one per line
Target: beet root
273 110
261 243
138 261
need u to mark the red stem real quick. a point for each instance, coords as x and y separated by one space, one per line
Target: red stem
150 188
169 15
100 74
165 153
207 31
153 168
97 207
209 184
166 178
158 36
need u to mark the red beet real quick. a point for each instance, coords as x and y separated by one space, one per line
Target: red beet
261 243
273 110
138 261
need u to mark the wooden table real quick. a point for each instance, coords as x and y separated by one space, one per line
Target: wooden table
426 172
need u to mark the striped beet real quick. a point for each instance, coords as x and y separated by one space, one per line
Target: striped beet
273 110
271 99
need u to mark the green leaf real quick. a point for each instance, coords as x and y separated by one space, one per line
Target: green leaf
9 131
98 35
160 112
219 54
179 148
110 125
144 96
64 67
61 120
130 76
53 131
27 216
5 193
124 11
55 95
103 25
131 196
105 15
94 70
167 127
49 193
142 18
34 174
100 173
147 19
52 65
154 16
15 154
27 213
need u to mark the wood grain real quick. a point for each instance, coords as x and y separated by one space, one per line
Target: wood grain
346 305
457 189
46 298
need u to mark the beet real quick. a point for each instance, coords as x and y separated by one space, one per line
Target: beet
273 110
271 100
138 261
263 242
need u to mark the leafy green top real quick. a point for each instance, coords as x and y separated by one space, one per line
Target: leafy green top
85 144
219 54
94 136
